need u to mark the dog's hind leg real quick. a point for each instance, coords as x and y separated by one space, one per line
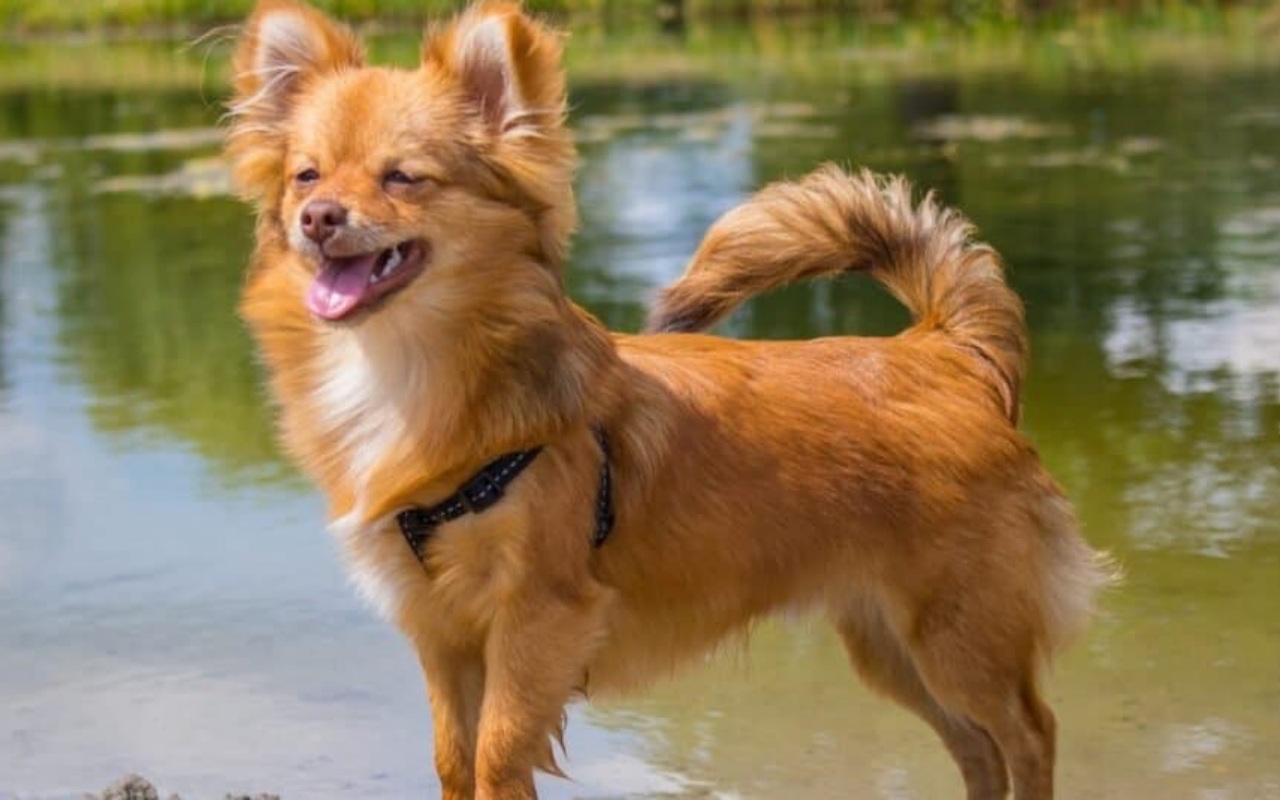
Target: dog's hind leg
1007 704
885 665
977 654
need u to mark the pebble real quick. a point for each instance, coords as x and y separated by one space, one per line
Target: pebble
136 787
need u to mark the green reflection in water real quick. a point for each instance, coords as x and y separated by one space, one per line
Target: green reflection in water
4 378
147 285
1136 196
149 302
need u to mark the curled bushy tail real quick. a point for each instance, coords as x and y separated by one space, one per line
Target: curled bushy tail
831 222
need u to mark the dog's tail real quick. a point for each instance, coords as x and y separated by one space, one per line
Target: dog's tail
831 222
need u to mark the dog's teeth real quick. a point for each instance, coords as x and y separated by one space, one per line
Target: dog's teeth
393 263
388 262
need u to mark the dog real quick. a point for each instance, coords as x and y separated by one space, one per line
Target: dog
629 501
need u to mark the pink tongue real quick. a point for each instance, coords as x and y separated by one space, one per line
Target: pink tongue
340 286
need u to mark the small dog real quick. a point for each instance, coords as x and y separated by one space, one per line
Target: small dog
628 501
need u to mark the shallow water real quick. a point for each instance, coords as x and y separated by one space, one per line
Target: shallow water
169 603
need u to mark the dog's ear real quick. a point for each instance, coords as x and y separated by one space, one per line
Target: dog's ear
507 64
507 69
284 44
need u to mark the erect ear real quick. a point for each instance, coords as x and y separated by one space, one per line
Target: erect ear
507 65
285 44
507 69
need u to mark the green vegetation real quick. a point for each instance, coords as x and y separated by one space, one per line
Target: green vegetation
91 14
731 50
134 16
44 15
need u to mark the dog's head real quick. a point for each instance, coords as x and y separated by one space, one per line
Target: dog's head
378 184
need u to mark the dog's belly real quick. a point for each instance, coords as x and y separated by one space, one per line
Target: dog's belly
657 625
644 645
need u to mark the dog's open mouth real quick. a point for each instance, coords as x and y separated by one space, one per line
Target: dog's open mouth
346 285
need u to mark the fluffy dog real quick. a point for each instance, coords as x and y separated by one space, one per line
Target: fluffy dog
407 297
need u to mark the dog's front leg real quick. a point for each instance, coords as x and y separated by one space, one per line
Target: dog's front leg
455 687
535 658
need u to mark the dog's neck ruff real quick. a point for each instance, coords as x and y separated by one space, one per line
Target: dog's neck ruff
486 488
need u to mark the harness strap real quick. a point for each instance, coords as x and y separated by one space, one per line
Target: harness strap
605 516
486 488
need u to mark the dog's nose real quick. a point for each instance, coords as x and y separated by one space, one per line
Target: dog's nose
321 218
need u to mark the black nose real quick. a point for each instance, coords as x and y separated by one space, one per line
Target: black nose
321 218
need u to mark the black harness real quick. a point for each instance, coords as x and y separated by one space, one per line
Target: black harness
486 487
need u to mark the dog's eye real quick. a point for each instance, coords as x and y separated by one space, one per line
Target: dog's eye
308 175
400 177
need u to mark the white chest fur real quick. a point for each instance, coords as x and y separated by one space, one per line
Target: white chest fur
380 564
361 396
360 404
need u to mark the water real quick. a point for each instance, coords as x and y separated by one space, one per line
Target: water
169 603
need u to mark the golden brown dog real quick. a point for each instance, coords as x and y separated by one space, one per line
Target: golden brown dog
407 296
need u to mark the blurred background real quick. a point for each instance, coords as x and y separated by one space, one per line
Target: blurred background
170 603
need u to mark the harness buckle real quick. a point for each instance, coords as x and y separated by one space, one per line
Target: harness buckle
480 492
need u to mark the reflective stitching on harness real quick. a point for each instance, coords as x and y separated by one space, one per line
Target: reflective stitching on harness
486 488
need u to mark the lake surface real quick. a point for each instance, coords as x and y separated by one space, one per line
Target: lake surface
170 603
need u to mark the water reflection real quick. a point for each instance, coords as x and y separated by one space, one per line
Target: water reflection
660 163
156 339
4 258
1139 213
